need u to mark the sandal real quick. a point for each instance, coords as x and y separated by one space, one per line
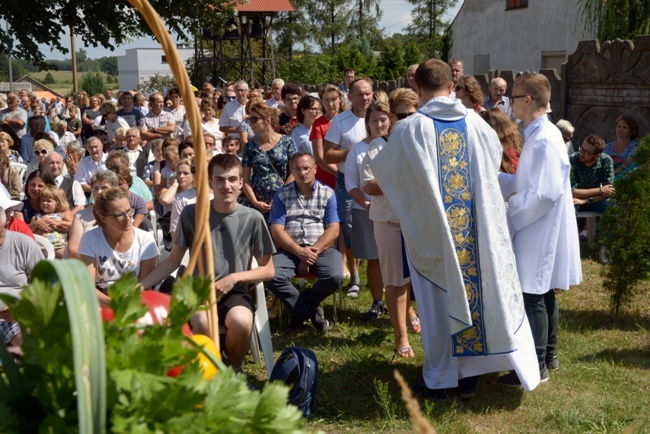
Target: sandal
404 352
414 324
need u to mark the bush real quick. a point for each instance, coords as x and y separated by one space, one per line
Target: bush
625 228
49 79
93 83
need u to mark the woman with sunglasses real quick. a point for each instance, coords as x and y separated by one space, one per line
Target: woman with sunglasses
267 157
41 148
468 90
116 247
309 109
388 236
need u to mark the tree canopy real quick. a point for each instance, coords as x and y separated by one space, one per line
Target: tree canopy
624 19
104 23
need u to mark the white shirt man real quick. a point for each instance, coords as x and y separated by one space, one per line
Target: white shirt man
497 96
276 90
541 217
95 160
65 136
138 157
234 112
74 193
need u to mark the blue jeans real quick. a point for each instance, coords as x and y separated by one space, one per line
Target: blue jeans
344 204
595 207
542 313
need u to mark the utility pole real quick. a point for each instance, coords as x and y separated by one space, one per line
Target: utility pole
10 58
74 61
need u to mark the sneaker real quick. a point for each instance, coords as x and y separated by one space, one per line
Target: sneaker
420 388
510 379
319 321
375 311
543 375
553 364
353 290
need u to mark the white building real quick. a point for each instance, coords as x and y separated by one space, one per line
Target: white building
516 34
138 64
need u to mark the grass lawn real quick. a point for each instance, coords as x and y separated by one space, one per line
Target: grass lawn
603 384
63 80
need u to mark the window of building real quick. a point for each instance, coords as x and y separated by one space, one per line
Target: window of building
516 4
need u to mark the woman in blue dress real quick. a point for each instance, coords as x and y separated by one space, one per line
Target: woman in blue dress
266 159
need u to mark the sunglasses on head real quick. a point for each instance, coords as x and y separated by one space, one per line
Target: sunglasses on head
401 116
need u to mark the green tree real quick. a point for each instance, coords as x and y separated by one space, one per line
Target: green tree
82 55
293 28
107 24
392 60
427 25
108 65
157 83
366 15
627 229
49 79
330 23
93 83
625 19
412 54
308 68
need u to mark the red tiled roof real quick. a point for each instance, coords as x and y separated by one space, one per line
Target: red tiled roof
266 6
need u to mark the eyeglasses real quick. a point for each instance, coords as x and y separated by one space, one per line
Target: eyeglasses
41 152
231 98
401 116
254 119
122 215
584 151
304 170
514 97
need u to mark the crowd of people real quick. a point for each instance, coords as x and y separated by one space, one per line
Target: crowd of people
309 185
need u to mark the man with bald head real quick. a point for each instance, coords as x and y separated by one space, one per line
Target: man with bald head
410 76
497 96
73 192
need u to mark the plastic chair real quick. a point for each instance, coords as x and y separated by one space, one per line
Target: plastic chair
46 247
261 336
22 168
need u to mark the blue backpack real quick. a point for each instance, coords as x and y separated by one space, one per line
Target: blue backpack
298 369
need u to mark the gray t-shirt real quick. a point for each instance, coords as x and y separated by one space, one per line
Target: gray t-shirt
236 238
17 114
19 254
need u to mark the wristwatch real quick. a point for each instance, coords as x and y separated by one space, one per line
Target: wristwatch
591 199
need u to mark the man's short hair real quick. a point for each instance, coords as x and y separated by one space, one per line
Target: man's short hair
106 108
346 70
455 61
224 161
117 155
91 139
300 154
565 126
37 121
239 83
597 142
291 89
278 82
105 175
359 79
433 75
537 87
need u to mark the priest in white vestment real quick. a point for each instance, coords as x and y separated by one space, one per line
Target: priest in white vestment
439 171
542 219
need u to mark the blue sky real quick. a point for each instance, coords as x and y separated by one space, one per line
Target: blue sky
397 15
